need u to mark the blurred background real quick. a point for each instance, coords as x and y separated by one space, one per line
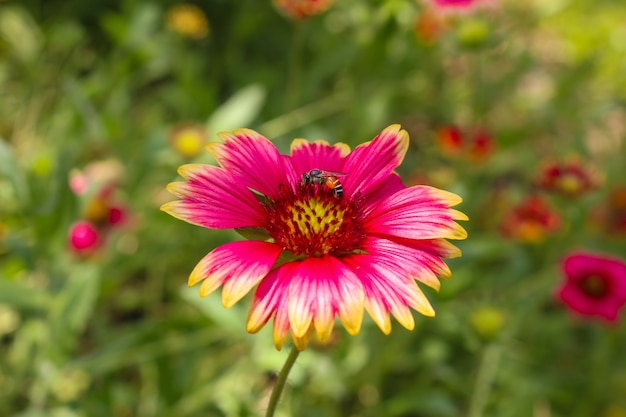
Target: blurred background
517 106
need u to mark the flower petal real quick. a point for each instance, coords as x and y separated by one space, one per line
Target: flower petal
321 288
372 162
212 198
319 154
417 264
254 161
271 297
418 212
238 265
437 247
388 289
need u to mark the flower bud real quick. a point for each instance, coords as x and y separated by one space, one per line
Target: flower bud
83 236
473 33
487 322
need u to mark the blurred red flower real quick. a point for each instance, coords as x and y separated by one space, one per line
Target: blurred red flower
428 27
570 178
300 9
453 142
450 140
610 215
594 285
530 221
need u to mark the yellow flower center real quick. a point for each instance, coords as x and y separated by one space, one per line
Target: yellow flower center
312 221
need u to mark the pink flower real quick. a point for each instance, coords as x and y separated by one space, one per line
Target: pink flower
456 6
594 285
83 237
318 252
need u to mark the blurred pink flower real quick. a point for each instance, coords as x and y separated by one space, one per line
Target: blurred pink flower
595 285
95 176
456 6
318 253
83 237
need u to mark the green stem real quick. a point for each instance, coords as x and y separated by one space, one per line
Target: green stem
294 74
280 382
486 374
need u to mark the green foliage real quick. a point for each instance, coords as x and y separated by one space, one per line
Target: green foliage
115 331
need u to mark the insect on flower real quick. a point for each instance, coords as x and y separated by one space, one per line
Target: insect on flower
328 178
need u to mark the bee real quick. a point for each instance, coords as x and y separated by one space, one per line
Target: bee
328 178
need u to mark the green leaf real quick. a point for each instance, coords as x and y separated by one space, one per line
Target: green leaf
73 305
253 233
14 294
10 170
238 111
21 32
231 319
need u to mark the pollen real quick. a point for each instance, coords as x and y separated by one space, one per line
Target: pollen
312 221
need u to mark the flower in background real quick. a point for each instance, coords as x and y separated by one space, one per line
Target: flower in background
449 140
428 27
610 215
188 139
96 176
595 285
481 146
487 322
452 142
83 237
569 178
456 6
332 245
101 211
300 9
188 20
531 221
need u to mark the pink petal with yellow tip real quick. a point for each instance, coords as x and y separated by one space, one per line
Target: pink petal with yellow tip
321 289
271 298
388 289
418 212
239 266
212 198
306 155
254 161
372 162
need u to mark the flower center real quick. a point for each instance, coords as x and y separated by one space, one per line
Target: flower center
312 221
594 286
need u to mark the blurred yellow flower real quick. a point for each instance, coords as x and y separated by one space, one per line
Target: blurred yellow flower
188 139
188 20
